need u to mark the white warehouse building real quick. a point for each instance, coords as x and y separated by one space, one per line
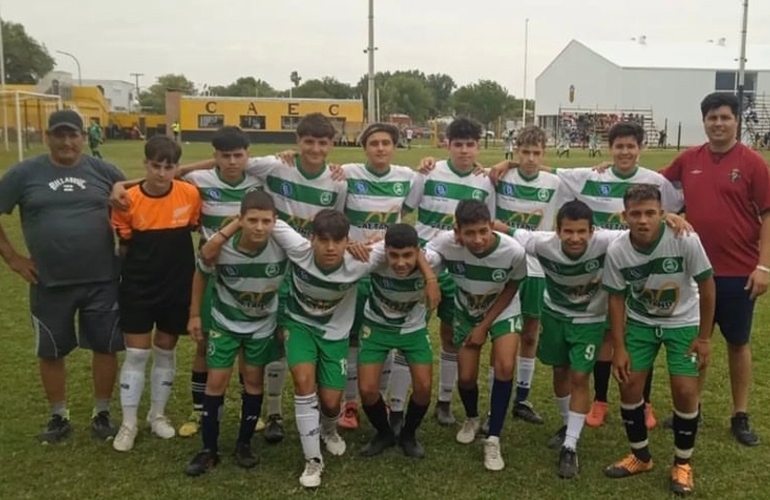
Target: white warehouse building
660 84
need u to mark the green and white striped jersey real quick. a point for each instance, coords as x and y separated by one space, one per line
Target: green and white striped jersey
221 200
298 196
397 303
374 201
573 288
479 279
245 300
661 280
603 191
435 197
324 299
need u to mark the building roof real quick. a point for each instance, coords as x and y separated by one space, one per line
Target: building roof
679 55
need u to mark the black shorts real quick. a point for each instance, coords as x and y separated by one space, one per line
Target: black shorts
734 309
53 311
137 317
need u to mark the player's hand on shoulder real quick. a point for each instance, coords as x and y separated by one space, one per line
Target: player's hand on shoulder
119 197
478 169
360 251
426 165
498 171
287 157
337 172
602 167
679 224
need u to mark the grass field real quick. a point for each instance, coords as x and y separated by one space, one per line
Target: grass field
82 468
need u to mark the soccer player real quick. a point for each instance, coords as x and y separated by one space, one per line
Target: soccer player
244 310
651 277
95 138
486 268
435 197
395 318
155 281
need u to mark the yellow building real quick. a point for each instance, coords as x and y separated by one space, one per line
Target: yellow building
265 120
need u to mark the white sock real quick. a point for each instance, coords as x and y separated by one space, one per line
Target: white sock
400 380
307 415
563 405
447 375
525 370
329 424
575 423
387 370
132 383
276 377
162 379
351 387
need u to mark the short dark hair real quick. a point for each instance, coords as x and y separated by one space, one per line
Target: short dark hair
316 125
401 236
162 148
574 210
531 135
626 129
641 192
471 212
329 223
257 200
716 100
230 138
463 128
388 128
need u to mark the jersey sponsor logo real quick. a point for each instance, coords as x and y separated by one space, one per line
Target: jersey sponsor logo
523 220
553 266
286 189
272 270
592 265
670 266
499 275
67 184
478 194
230 271
387 284
254 302
214 194
509 189
457 268
605 189
301 225
326 198
440 190
361 187
398 188
660 301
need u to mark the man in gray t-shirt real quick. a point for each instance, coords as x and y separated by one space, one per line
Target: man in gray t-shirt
63 200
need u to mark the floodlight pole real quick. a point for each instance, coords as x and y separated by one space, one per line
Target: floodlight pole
2 84
371 95
742 66
526 49
80 78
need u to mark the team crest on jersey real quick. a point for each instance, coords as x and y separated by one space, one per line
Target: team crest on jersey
344 286
553 266
387 284
361 187
670 266
272 270
302 273
398 189
457 268
286 189
636 273
499 275
419 284
440 190
477 194
543 195
509 189
229 271
734 175
592 265
605 189
366 332
214 194
326 198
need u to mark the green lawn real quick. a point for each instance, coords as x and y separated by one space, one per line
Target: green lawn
82 468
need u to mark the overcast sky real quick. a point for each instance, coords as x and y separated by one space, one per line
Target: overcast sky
216 42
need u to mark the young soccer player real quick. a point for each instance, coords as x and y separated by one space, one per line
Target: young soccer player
395 318
95 138
158 262
435 196
662 292
486 268
244 311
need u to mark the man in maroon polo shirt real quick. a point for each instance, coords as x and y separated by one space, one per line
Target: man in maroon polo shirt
727 198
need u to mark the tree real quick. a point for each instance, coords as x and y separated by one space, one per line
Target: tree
154 99
485 101
326 88
408 94
245 86
26 60
441 86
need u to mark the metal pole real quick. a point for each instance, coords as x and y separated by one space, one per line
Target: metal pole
18 126
2 84
80 76
742 66
370 101
526 49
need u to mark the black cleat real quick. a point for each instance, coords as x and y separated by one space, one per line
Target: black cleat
557 440
568 463
57 429
378 444
244 457
396 422
411 447
742 431
204 461
444 413
274 429
524 411
101 426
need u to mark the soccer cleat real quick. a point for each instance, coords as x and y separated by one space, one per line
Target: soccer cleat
311 476
739 424
192 426
124 440
161 426
649 417
523 410
444 413
411 447
101 426
627 466
468 431
260 425
244 457
349 418
396 419
596 415
557 440
493 459
334 443
274 429
484 430
682 482
201 463
568 463
378 444
58 428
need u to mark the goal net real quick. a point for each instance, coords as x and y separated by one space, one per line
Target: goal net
24 118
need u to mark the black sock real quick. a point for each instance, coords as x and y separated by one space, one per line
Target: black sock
199 389
414 415
636 430
602 371
501 396
212 406
251 407
378 416
470 398
685 430
648 387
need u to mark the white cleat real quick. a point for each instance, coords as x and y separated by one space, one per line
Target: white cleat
467 433
161 426
334 443
493 459
124 440
311 476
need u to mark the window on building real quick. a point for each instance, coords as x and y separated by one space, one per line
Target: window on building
252 122
725 81
211 121
290 122
750 81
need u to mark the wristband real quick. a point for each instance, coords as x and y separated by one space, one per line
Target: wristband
431 279
223 235
762 268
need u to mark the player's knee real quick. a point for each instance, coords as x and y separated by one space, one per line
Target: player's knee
737 348
304 383
217 381
369 390
504 369
421 387
330 403
685 396
579 380
165 340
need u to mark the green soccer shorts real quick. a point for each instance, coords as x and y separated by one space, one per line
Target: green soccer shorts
362 293
531 294
223 348
644 341
305 344
376 342
207 303
501 326
563 343
446 308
